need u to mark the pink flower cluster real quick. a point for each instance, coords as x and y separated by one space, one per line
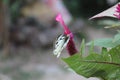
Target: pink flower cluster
117 14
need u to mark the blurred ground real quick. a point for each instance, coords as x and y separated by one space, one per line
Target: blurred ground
40 64
36 65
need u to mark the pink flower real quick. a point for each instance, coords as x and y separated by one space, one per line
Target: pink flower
66 29
70 45
117 14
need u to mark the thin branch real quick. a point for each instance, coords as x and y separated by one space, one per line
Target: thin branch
6 25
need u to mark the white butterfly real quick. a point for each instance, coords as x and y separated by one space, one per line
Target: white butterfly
60 44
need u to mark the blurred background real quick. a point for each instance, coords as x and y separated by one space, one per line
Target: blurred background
28 30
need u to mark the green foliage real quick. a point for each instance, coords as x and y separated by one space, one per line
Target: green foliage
108 42
105 65
117 38
5 1
82 48
15 9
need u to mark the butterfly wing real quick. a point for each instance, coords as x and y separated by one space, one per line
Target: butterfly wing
60 44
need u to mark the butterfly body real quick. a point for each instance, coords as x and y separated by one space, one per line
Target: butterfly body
60 44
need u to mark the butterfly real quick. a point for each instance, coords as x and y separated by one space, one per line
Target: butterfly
60 44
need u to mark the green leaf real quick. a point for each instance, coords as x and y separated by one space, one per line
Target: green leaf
82 47
91 47
107 43
102 42
105 65
116 38
104 51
